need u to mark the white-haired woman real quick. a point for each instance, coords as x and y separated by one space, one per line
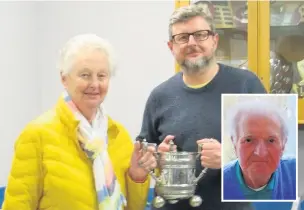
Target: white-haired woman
75 157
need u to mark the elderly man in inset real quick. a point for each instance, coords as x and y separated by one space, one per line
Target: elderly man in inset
259 135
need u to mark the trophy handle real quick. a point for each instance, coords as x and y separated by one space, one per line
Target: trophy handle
204 171
199 150
144 145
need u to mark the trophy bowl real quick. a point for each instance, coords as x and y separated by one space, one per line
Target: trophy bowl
175 177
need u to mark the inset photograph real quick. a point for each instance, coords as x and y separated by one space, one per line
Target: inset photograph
259 147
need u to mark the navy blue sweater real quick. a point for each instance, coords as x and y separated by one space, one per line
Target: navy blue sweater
192 114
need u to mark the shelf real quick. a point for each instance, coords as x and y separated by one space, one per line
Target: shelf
276 31
227 59
234 33
242 29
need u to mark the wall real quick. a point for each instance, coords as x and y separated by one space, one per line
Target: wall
19 81
138 31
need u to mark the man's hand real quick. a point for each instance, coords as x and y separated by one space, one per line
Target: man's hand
165 145
211 153
141 163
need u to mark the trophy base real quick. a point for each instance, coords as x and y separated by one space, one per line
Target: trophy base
175 192
172 201
159 202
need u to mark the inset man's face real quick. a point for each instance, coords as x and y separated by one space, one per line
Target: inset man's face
259 144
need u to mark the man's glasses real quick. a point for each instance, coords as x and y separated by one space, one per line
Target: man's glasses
201 35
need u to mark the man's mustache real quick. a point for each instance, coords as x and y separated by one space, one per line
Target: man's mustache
192 50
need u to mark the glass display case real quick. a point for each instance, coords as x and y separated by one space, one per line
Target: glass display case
266 37
280 48
231 22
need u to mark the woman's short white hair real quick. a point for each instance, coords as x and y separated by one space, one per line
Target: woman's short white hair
83 42
260 107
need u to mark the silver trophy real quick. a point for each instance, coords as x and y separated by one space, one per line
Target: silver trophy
175 176
281 74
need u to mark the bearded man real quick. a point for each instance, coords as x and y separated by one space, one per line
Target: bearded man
186 108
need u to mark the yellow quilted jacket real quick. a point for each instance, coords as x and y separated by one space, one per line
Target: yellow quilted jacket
51 172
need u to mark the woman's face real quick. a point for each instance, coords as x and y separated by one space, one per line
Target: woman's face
88 81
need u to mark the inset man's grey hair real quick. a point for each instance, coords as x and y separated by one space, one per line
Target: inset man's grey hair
81 42
259 107
183 14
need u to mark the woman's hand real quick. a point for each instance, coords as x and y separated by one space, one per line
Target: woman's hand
142 162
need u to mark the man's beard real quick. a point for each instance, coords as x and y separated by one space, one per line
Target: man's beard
200 65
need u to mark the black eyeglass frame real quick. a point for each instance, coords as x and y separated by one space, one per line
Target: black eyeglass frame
209 33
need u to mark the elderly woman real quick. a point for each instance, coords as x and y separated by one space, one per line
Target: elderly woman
259 135
75 157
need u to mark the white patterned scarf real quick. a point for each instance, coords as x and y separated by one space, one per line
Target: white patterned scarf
94 141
